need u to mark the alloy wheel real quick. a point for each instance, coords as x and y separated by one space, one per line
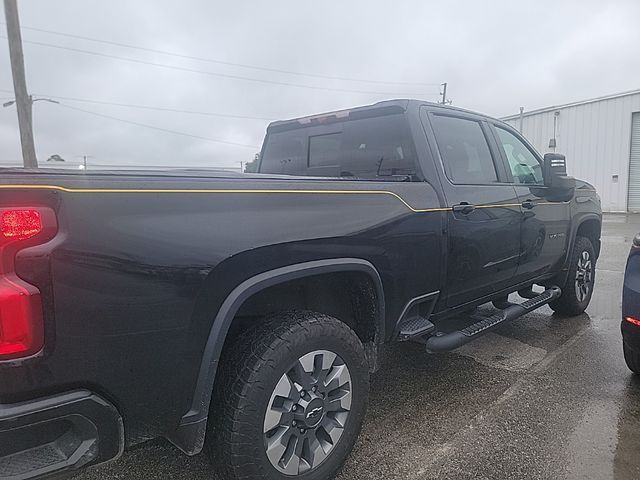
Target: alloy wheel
584 276
307 412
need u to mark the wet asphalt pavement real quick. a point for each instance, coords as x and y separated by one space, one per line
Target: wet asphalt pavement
540 398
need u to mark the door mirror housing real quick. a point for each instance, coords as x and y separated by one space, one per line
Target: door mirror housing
560 186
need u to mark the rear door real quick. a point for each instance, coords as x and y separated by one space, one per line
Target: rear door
484 223
545 225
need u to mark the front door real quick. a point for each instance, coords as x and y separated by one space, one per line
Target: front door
545 225
485 217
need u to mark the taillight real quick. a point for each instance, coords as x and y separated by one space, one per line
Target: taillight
633 321
21 319
21 327
20 224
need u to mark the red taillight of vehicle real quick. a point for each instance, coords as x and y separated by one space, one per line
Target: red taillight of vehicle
20 224
21 326
21 316
633 321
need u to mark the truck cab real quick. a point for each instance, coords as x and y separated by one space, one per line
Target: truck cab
511 217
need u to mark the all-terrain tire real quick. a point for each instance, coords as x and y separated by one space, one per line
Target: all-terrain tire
577 291
254 367
632 358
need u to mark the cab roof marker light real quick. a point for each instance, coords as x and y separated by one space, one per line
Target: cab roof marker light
324 117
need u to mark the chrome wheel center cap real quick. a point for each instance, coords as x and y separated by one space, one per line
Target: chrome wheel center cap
314 412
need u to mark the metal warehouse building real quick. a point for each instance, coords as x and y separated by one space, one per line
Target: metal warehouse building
601 140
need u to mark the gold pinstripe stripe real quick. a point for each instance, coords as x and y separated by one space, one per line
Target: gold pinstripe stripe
223 190
232 191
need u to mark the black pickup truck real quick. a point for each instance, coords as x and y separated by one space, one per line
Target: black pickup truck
243 313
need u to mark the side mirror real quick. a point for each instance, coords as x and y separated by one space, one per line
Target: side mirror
560 187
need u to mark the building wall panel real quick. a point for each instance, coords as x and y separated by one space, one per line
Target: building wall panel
595 136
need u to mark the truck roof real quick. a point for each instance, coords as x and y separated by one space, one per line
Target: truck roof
374 109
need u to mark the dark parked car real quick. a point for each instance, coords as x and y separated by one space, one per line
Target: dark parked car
631 308
243 314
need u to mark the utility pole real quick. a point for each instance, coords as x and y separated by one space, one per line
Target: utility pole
84 160
521 118
443 94
23 100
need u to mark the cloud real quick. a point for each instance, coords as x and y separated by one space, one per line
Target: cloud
495 56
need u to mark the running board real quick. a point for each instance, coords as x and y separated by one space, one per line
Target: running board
416 326
445 342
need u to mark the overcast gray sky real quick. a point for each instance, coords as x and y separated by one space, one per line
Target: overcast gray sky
494 55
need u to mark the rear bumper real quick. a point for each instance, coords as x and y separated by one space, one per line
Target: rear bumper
57 434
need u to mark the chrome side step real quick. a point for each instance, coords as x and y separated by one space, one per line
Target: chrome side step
445 342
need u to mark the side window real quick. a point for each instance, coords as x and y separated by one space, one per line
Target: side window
524 165
464 150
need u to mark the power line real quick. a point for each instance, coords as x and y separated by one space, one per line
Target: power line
215 74
150 107
221 62
160 109
160 129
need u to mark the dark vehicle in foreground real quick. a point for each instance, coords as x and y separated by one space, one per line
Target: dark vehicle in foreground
631 308
243 314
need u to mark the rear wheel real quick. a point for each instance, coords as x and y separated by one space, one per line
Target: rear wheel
632 358
293 400
578 289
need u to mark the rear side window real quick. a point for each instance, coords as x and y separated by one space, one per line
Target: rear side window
464 151
378 148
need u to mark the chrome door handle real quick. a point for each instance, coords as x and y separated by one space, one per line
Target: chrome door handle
464 208
529 204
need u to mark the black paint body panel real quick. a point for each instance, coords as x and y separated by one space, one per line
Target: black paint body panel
134 280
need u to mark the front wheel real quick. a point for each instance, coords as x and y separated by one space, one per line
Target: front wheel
293 400
578 289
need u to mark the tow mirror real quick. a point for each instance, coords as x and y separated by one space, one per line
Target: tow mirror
560 186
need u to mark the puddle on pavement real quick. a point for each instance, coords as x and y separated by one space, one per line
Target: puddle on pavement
497 351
